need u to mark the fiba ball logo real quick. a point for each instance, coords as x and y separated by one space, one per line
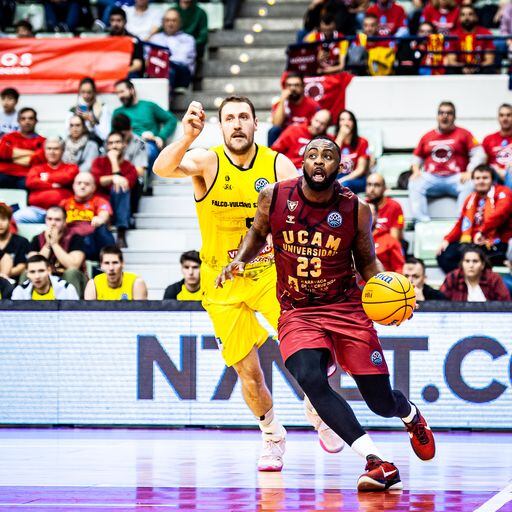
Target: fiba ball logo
334 219
260 183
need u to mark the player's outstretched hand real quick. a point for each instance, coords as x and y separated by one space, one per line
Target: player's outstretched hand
193 120
229 272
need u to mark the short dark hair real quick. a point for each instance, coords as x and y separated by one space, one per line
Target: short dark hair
57 207
237 99
371 16
431 25
88 80
38 258
294 74
505 105
484 168
120 123
126 82
328 139
327 18
24 24
10 92
117 11
411 260
5 211
190 256
468 7
448 104
111 249
114 133
27 109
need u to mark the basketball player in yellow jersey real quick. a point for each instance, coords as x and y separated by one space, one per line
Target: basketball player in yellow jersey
114 283
226 181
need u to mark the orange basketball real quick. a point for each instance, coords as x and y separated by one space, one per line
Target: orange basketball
389 298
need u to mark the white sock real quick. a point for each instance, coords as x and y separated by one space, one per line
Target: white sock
413 412
270 426
365 446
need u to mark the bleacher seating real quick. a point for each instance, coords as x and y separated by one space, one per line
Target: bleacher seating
392 165
29 231
12 196
428 237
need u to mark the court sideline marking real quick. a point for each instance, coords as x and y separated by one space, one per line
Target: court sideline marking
497 501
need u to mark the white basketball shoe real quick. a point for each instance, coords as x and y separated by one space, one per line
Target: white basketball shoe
329 440
271 457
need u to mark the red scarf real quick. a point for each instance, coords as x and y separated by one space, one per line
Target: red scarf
477 209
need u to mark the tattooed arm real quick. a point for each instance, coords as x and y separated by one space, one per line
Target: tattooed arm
254 240
363 249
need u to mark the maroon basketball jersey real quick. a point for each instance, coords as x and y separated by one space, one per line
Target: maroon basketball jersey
313 245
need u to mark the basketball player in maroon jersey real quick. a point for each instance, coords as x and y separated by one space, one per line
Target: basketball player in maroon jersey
319 229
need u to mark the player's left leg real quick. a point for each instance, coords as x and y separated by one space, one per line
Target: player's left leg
384 401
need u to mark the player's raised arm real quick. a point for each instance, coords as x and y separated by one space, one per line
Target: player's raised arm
175 161
254 240
365 259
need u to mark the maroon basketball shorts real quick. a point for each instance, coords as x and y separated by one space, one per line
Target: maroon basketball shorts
343 328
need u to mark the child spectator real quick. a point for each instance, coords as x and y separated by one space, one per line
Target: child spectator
48 184
293 141
9 114
88 215
79 149
63 249
355 153
115 177
182 47
19 150
485 221
414 270
189 288
444 159
114 283
474 281
41 284
15 246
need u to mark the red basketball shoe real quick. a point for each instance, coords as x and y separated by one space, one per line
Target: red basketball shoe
422 439
379 476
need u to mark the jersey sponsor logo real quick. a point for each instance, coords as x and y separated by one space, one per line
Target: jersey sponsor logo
441 153
260 183
376 358
290 219
292 205
334 219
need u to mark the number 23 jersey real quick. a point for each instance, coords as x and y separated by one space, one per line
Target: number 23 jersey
312 245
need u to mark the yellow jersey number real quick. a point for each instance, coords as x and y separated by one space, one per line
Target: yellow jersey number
309 268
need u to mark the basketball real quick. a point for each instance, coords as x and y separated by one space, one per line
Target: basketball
389 298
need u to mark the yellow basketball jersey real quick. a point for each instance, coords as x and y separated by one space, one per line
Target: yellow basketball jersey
124 292
49 295
186 295
227 210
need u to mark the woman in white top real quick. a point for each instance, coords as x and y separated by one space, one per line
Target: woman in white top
97 115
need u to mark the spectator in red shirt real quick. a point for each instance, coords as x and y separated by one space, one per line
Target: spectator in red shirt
485 220
388 249
498 146
443 14
371 29
295 138
391 16
474 281
355 153
293 107
478 54
443 161
48 184
19 150
88 214
115 178
390 216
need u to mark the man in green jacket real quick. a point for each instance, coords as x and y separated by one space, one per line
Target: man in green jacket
149 121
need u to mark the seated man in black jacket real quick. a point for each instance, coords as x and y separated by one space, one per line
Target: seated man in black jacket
414 270
189 288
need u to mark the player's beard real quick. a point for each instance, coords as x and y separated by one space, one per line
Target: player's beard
244 144
320 187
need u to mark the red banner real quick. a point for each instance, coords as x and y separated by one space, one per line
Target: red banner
38 66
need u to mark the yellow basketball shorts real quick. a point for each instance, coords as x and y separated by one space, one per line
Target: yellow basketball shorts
233 308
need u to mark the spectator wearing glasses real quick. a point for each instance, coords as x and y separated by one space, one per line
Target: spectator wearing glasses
194 21
443 162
